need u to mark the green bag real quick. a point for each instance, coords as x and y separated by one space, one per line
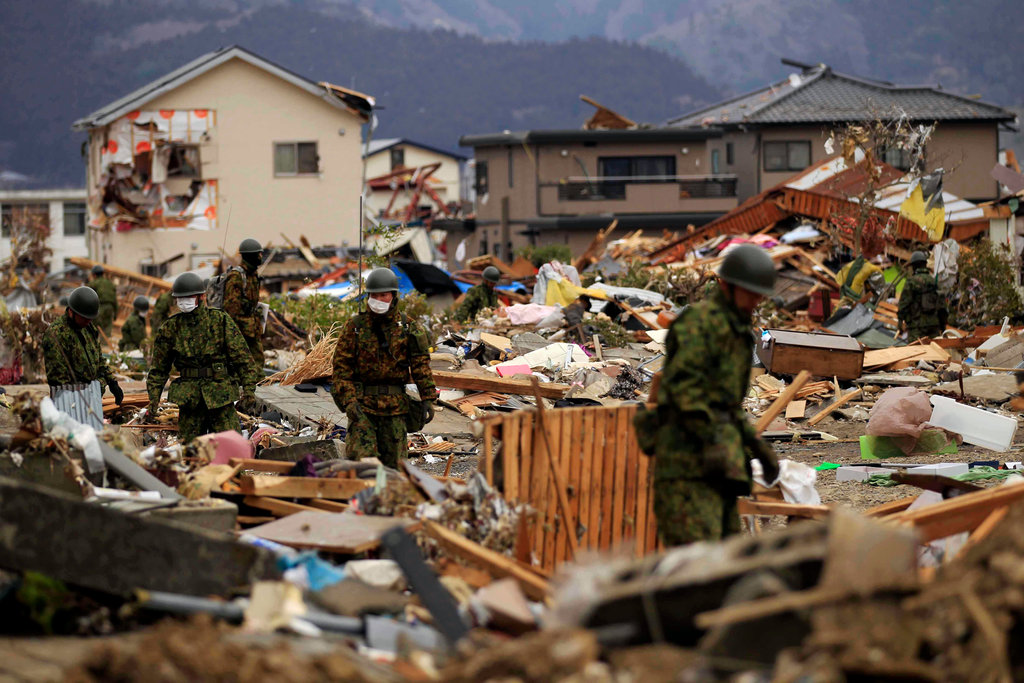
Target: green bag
416 418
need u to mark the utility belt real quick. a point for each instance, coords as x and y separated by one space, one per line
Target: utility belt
204 373
384 389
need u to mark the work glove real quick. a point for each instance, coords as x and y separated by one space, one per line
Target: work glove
354 412
116 392
428 407
151 410
248 403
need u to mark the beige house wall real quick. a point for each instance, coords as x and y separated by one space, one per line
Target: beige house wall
967 152
254 109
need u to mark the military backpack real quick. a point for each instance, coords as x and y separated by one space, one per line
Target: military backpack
215 288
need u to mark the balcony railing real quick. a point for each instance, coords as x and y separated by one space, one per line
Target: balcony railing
614 187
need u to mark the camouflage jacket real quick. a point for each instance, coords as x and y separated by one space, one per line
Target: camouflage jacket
703 431
381 351
106 291
477 298
921 306
133 332
205 339
160 312
241 294
72 354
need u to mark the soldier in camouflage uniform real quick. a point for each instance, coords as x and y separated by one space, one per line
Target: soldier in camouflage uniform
922 310
479 297
133 332
107 293
209 352
71 348
242 296
161 311
699 432
378 353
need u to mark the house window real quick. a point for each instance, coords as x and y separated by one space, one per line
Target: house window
481 177
296 158
74 218
511 167
153 269
787 156
23 218
902 159
729 158
397 157
714 161
184 162
646 169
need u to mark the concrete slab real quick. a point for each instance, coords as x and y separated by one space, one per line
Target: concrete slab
301 408
945 469
860 472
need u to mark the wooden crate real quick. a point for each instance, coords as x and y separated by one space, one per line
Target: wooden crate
607 477
823 355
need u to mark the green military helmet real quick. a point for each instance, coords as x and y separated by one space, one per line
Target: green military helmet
749 267
492 274
85 302
918 257
187 284
250 246
63 301
381 280
141 304
97 270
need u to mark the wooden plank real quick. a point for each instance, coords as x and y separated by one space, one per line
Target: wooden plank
586 490
890 508
597 477
525 419
331 532
539 477
572 440
279 508
510 457
795 410
608 477
329 505
269 466
555 522
782 401
881 357
619 493
631 458
496 565
837 404
745 506
489 452
642 500
963 513
302 487
138 278
456 380
984 529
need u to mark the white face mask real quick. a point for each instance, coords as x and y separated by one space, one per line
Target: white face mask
377 306
187 304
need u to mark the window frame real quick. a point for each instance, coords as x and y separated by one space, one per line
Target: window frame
397 156
480 171
84 218
295 145
788 167
633 160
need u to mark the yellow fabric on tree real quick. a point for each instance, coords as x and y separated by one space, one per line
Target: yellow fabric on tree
564 293
857 284
933 222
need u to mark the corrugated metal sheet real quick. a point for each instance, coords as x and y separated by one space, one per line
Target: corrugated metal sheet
83 402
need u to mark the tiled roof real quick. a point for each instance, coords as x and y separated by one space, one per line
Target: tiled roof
820 95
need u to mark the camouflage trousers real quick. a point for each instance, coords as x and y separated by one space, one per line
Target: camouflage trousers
256 349
105 319
193 422
377 436
690 510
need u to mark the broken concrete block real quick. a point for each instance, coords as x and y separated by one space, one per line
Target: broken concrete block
115 552
990 388
324 449
378 573
214 514
860 472
945 469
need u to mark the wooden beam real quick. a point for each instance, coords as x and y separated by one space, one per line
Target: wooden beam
139 278
302 487
758 507
459 380
556 477
278 508
328 505
782 401
838 404
963 513
890 508
269 466
497 565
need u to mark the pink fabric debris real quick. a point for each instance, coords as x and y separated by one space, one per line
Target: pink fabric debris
509 370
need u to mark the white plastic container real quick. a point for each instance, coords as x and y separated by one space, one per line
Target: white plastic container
977 426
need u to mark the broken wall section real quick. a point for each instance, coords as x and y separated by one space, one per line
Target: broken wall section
147 171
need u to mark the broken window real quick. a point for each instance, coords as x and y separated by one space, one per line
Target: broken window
74 218
296 158
183 162
397 157
787 156
22 219
729 159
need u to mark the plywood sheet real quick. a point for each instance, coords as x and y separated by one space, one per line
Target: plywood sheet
332 532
